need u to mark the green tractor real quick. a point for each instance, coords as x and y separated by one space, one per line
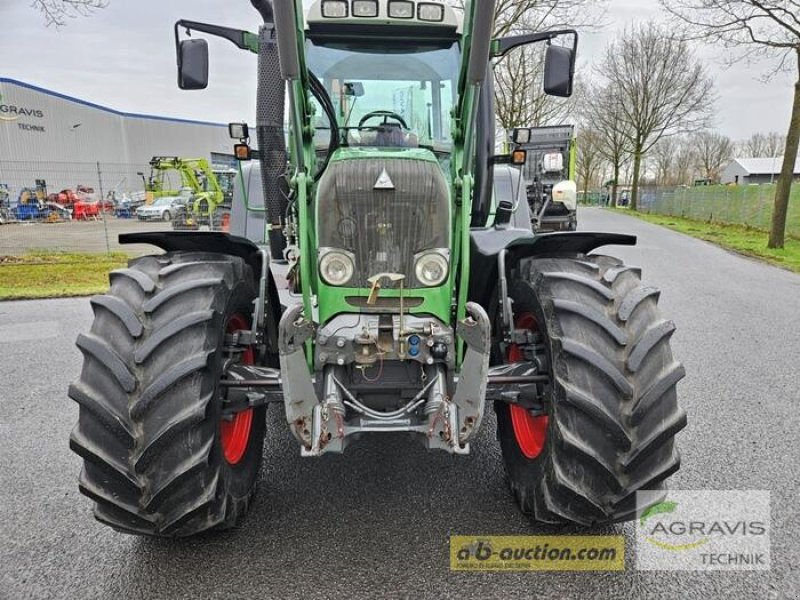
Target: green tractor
425 297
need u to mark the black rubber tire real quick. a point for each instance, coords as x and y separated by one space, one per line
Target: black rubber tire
149 410
612 406
166 216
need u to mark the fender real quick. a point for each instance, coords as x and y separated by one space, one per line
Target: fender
487 243
222 243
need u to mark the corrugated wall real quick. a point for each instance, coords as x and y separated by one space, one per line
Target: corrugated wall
42 133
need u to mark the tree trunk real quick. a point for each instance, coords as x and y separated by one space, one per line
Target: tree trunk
778 232
586 190
615 185
637 169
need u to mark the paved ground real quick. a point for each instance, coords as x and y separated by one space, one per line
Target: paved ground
79 236
376 522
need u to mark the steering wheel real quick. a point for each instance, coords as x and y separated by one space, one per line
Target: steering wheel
386 114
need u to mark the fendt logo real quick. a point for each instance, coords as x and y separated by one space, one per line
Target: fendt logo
9 112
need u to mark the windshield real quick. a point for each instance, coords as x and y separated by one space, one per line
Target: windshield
385 95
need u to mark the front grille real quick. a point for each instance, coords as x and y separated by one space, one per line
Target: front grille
383 228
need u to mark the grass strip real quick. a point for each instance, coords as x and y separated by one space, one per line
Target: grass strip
738 238
48 274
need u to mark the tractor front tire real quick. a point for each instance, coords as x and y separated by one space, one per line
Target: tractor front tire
159 458
611 411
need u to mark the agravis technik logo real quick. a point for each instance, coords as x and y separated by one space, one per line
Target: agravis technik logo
703 530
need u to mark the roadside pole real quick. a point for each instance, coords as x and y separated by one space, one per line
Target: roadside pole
102 207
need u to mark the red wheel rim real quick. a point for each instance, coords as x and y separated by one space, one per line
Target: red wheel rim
530 431
235 434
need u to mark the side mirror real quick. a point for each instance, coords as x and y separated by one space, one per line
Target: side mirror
559 71
193 65
354 88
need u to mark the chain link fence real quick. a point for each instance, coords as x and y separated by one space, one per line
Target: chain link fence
77 207
749 205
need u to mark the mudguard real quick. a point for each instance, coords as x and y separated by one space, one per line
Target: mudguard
487 243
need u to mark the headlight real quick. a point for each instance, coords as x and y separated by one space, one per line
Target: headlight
336 267
431 268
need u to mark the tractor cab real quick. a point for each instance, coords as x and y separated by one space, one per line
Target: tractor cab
389 73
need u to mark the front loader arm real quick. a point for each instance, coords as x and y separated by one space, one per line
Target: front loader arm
478 25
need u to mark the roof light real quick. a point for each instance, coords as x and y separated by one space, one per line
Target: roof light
428 11
334 9
401 9
365 8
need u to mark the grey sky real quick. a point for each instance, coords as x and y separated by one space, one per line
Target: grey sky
124 57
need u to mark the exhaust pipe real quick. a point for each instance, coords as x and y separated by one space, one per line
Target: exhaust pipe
287 38
269 128
482 24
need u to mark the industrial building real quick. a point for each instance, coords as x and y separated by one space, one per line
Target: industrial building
752 171
49 137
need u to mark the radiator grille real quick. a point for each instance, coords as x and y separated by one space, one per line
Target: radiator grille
383 228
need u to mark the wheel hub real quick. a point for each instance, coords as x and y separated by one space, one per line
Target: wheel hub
530 430
235 430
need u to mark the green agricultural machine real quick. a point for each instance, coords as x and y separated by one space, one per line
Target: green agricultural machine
549 173
211 190
424 297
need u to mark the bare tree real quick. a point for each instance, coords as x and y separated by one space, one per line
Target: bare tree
589 158
603 109
762 145
519 101
665 89
685 161
518 97
523 16
663 159
754 146
755 29
57 12
774 144
713 151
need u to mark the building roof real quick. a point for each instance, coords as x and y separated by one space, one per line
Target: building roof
765 166
104 108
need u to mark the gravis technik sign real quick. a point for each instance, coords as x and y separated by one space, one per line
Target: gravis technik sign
10 112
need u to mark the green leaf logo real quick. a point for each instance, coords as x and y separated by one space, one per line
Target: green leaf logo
7 119
658 509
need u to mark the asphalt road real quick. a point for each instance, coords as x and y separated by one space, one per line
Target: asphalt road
375 523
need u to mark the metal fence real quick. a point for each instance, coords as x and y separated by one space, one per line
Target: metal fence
73 207
749 205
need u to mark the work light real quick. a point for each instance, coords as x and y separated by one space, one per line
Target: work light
428 11
401 9
521 135
336 266
365 8
431 268
334 9
238 131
